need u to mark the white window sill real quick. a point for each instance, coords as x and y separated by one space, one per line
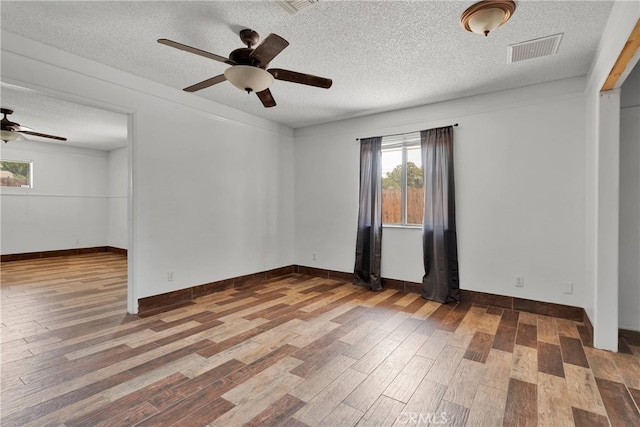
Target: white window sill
408 227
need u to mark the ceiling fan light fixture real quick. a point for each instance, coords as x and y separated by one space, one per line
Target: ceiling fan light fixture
485 16
248 78
7 135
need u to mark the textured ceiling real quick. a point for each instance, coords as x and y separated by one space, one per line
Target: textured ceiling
381 55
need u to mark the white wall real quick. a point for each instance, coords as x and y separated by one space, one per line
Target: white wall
212 198
117 203
67 206
602 179
629 244
520 191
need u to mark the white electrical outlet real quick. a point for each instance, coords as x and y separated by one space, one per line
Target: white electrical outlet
77 241
313 256
169 276
519 281
567 287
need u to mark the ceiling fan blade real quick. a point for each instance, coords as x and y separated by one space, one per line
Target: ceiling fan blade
269 49
303 79
18 128
197 51
205 84
43 135
266 98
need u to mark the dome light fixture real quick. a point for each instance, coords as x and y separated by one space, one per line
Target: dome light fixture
246 77
485 16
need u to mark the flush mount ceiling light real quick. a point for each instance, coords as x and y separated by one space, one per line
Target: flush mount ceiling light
485 16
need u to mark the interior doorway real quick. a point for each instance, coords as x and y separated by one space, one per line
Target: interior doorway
81 194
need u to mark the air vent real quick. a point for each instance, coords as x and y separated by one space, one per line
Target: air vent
534 48
294 6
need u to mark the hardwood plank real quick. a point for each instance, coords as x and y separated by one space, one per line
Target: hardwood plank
277 412
384 412
602 365
527 318
479 347
567 328
524 364
635 394
554 408
488 407
318 380
547 330
329 398
425 400
510 318
375 384
497 370
629 368
572 351
403 386
462 387
582 389
373 358
445 365
589 419
434 344
521 408
527 335
342 415
365 344
621 408
550 359
505 339
450 414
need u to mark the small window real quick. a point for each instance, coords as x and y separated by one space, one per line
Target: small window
402 188
15 173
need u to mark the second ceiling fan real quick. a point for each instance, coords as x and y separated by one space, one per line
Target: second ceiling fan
248 69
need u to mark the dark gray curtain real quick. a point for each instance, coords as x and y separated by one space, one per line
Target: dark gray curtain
440 282
369 240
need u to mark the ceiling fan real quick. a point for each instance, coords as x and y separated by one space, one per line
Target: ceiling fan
12 131
248 66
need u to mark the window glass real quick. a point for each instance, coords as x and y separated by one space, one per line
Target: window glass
392 186
415 188
15 174
402 188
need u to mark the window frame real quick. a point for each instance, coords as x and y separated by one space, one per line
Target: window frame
409 140
30 177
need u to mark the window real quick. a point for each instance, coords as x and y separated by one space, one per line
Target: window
15 173
402 189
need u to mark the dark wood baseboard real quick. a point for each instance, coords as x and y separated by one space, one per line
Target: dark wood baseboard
118 251
61 252
478 298
168 301
164 301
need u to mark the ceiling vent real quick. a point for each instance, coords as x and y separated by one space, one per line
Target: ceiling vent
534 48
294 6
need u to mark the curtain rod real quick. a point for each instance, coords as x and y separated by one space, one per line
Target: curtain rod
455 125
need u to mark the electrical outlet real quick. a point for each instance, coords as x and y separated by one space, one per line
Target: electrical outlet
519 281
567 287
169 276
77 241
313 256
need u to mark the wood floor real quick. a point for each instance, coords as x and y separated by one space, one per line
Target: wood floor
294 351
